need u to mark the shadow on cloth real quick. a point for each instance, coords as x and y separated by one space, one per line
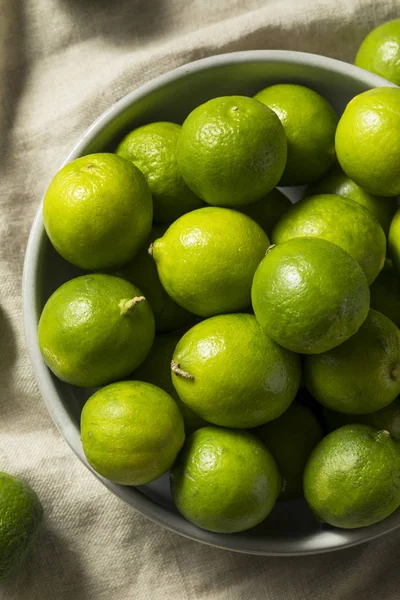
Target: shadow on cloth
137 20
352 573
60 567
12 35
8 346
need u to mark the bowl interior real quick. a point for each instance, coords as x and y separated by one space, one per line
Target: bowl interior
290 529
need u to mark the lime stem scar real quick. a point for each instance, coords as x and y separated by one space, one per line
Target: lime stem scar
127 306
271 247
150 250
175 368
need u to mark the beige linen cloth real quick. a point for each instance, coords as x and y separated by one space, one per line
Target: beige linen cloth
62 63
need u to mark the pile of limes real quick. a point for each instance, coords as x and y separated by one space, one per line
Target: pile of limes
215 316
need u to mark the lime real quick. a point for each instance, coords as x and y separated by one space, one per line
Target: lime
152 148
207 258
385 293
290 439
337 182
387 418
98 211
380 51
131 432
267 211
142 272
352 478
338 220
231 374
310 123
95 329
156 369
309 295
224 481
21 514
394 241
362 375
231 151
367 142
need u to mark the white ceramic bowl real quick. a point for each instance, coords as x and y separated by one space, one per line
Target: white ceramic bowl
290 529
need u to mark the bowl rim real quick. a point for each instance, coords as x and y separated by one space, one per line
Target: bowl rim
312 544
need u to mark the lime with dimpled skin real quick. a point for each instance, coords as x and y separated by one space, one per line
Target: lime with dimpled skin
362 375
337 182
131 432
21 514
97 211
152 148
352 478
367 144
207 258
380 51
309 122
338 220
309 295
231 151
230 373
224 480
95 329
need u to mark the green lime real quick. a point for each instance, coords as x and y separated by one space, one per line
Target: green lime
362 375
95 329
207 258
309 295
142 271
352 478
231 151
387 418
385 293
394 241
231 374
337 182
310 123
98 211
367 143
291 439
152 148
131 432
156 369
21 514
267 211
224 481
380 51
341 221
